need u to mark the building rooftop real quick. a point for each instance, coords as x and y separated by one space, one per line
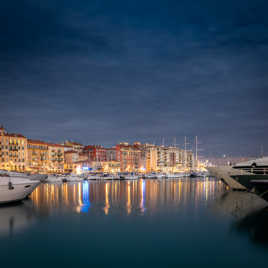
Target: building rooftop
37 142
72 143
45 143
70 152
15 135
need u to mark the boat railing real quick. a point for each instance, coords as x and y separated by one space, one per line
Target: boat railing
257 170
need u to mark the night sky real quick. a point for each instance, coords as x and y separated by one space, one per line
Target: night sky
100 72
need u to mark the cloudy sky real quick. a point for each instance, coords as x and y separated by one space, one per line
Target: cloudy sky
109 71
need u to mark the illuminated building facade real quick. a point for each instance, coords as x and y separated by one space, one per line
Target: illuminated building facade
129 156
111 154
70 159
173 159
56 158
151 158
95 153
18 153
37 160
111 166
75 146
13 151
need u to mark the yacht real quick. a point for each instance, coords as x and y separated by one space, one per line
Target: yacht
175 175
107 176
38 177
56 179
258 166
14 189
197 174
72 178
161 175
131 176
128 176
250 175
152 175
102 176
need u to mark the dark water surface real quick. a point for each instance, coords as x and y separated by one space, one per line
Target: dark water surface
144 223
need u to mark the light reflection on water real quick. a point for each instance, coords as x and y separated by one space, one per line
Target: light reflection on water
133 196
144 223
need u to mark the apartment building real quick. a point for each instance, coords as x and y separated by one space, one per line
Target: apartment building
37 160
13 151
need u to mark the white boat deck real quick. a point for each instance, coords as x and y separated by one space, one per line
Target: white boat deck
15 180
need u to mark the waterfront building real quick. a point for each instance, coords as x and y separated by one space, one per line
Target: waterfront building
70 159
129 157
111 166
82 166
151 159
67 148
164 156
73 146
173 159
37 152
96 158
111 154
189 160
18 153
148 157
95 153
56 158
13 151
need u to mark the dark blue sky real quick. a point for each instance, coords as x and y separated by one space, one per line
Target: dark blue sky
107 71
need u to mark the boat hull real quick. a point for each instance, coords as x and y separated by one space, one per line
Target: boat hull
18 193
246 180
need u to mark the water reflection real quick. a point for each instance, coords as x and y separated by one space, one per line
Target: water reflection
255 226
16 218
157 223
250 214
127 196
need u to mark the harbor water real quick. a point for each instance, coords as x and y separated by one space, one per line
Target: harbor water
143 223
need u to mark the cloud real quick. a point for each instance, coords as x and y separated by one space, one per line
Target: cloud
102 71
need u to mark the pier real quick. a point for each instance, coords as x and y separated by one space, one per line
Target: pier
224 173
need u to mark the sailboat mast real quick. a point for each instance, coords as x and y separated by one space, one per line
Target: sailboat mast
185 151
196 151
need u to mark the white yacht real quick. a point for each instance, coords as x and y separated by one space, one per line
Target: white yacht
161 175
14 189
152 175
35 177
131 176
257 166
72 178
64 178
175 175
55 179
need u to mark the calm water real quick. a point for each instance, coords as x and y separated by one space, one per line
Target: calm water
144 223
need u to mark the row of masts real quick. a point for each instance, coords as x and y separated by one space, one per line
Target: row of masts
186 143
185 149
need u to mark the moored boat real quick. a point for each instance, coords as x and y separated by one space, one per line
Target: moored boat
251 176
175 175
129 176
35 177
257 166
152 175
14 189
198 174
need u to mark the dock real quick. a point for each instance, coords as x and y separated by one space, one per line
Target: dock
224 173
